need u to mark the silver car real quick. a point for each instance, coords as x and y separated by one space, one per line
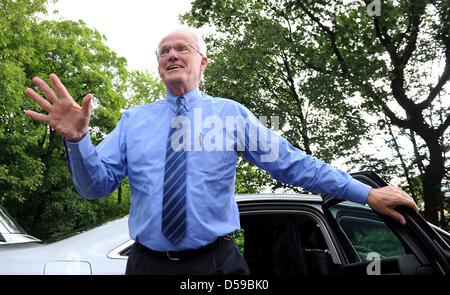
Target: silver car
86 253
11 232
281 235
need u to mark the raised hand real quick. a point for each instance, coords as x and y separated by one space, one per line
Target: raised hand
65 116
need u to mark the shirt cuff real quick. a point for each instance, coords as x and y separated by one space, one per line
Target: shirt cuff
357 191
82 148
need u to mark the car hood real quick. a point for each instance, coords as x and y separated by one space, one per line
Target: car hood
89 249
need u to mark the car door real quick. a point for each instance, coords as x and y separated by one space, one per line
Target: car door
373 243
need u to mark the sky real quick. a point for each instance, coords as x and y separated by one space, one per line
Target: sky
133 28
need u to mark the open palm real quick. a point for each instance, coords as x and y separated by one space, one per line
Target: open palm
65 116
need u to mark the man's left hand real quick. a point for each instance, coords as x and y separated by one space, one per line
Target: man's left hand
385 199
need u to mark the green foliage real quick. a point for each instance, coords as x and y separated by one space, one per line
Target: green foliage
257 55
249 179
239 237
19 169
35 182
143 88
382 241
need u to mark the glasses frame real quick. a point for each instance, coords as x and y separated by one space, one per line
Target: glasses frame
171 47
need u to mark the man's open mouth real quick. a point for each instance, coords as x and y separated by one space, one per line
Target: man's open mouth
174 67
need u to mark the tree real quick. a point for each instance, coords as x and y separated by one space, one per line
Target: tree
35 182
311 60
259 68
143 87
19 170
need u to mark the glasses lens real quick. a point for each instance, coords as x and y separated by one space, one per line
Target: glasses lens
163 51
181 48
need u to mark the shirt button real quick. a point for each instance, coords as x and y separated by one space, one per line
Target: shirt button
69 150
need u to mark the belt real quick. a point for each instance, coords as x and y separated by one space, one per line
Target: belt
184 254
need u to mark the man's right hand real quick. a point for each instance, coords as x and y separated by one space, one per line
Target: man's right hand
65 116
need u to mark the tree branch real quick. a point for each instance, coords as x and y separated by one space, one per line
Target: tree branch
400 39
437 88
418 161
386 41
330 33
442 80
417 9
402 161
291 85
395 120
441 129
397 87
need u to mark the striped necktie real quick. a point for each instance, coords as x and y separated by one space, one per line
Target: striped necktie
174 199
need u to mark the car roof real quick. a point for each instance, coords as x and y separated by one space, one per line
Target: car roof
305 198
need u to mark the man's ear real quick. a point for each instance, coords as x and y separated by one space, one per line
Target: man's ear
159 71
204 63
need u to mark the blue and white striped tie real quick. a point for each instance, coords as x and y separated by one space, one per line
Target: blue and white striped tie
174 199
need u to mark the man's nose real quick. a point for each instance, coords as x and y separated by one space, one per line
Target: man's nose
173 54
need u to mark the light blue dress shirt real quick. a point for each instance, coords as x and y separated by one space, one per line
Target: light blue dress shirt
218 130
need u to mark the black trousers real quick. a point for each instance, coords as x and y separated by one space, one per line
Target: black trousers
223 260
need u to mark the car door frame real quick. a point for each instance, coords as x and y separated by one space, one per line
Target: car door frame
281 205
425 243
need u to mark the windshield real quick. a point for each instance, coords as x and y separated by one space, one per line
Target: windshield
9 223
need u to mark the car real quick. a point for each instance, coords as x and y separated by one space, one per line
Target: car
281 234
11 232
85 253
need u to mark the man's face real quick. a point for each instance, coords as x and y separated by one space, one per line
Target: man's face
180 71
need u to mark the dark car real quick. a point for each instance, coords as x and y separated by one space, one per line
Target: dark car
282 234
324 236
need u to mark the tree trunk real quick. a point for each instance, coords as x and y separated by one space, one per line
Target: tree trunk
39 207
402 162
119 194
431 196
432 179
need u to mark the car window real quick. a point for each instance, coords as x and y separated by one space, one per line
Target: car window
9 223
291 242
368 234
121 251
239 238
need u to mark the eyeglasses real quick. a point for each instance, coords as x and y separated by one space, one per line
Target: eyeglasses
182 48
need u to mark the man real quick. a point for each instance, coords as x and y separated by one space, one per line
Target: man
180 155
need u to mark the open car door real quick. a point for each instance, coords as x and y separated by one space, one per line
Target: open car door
373 243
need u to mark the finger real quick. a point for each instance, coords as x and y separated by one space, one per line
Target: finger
397 216
47 90
409 201
43 103
404 194
37 116
60 88
86 104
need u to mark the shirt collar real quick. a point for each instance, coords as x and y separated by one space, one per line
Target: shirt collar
190 97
